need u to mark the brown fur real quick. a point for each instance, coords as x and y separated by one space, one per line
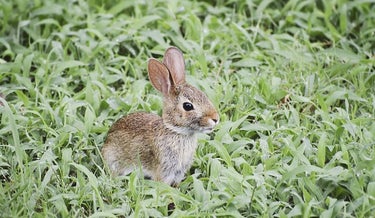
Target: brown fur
163 147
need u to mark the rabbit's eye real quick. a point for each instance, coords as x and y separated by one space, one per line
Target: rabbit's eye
188 106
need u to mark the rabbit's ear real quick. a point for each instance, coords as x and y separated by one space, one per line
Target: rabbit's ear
175 63
159 76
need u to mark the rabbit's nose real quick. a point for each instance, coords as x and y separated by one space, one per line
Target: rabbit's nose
213 118
214 121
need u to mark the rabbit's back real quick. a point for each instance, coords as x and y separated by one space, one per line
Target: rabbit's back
129 143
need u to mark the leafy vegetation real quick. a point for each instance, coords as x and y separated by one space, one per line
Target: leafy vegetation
294 82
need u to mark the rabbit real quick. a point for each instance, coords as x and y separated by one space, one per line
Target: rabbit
162 147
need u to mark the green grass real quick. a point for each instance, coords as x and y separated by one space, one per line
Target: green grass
294 82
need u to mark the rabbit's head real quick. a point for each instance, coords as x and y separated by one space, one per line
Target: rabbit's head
187 110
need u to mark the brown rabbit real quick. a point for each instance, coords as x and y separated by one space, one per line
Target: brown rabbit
163 147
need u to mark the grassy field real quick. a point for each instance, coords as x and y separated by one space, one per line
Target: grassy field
294 82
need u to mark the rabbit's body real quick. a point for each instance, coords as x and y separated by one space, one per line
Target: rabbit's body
163 147
160 152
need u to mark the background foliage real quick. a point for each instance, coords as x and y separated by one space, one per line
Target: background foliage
294 82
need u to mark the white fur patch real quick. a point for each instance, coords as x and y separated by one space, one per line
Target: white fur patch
127 170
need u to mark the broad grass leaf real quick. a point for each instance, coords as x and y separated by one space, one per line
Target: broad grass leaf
226 127
202 60
310 84
5 68
93 181
49 22
257 127
334 207
321 154
296 211
215 168
312 188
59 203
222 151
336 174
9 118
345 153
235 179
292 173
200 194
343 18
247 62
214 204
61 66
155 35
48 10
261 7
133 184
47 178
343 54
371 190
92 96
302 99
327 213
241 200
120 7
141 22
102 214
241 31
23 98
24 81
222 135
193 27
260 99
26 64
341 95
351 128
89 118
66 160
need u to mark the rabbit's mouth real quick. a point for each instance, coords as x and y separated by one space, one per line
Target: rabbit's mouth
206 129
189 130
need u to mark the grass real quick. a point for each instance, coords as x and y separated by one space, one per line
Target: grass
294 82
